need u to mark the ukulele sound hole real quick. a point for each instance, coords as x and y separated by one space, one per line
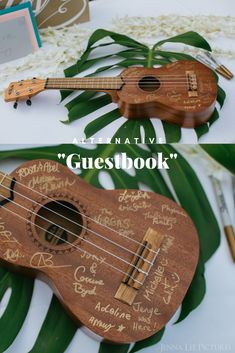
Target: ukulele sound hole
58 224
149 84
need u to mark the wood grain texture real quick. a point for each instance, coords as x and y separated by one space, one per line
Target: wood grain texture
172 102
79 274
182 93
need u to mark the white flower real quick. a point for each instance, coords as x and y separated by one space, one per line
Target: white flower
168 25
63 47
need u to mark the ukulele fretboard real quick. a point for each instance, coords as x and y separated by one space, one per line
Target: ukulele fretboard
86 83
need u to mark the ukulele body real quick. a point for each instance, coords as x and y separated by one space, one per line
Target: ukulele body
182 93
77 271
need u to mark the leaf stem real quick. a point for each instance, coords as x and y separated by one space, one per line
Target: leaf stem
150 58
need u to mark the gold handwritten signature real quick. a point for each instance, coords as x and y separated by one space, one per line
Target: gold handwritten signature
44 260
5 235
84 284
13 255
47 167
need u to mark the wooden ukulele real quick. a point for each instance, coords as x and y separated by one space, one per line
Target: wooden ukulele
183 92
119 261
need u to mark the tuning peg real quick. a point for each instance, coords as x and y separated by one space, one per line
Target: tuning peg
29 102
15 105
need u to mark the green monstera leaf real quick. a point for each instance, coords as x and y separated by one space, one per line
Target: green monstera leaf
123 52
58 329
223 154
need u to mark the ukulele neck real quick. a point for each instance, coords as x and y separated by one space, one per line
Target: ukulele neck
86 83
5 186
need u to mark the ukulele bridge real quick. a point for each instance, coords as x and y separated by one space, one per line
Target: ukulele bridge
140 267
192 84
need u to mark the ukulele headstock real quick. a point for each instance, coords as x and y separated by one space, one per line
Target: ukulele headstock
24 90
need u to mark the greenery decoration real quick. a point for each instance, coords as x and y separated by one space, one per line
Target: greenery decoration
124 52
224 155
58 329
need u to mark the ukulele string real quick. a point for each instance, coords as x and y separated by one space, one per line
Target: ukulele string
77 224
173 78
66 207
130 82
108 86
80 225
71 86
124 82
110 78
85 251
